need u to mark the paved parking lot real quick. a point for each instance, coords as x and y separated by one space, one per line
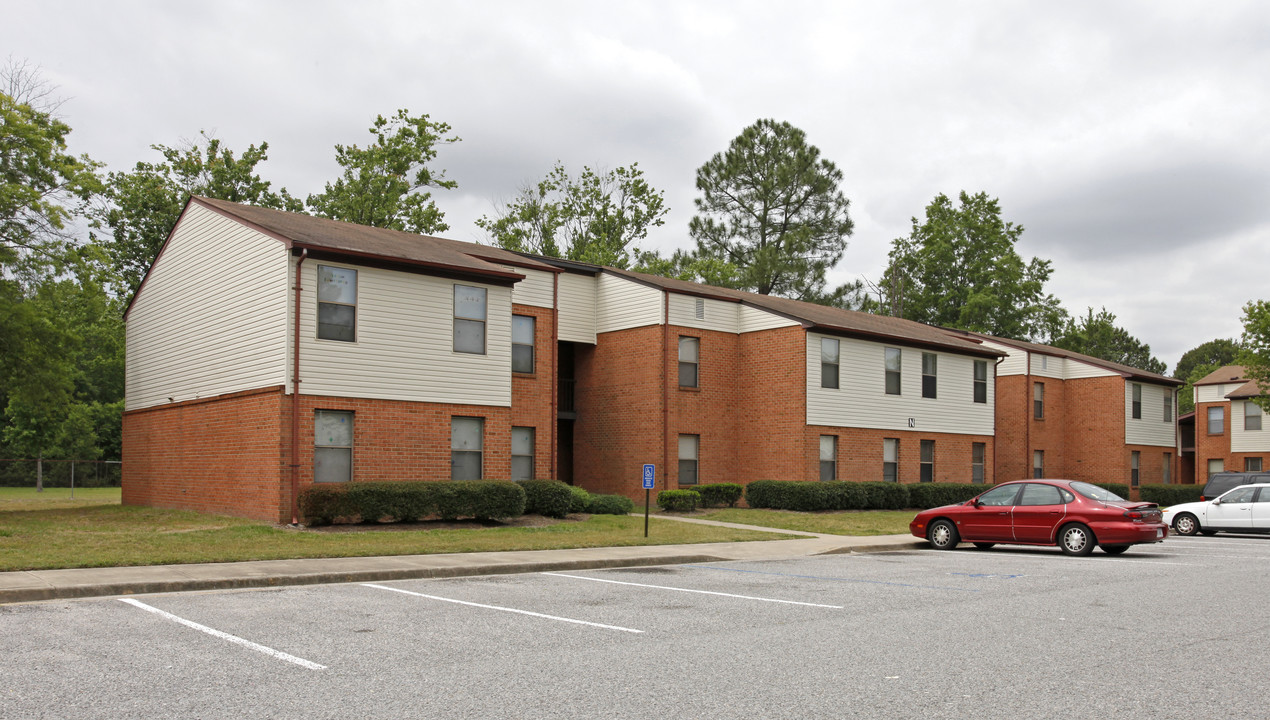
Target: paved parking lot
1171 630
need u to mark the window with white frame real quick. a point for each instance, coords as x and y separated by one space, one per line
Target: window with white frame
890 460
1167 469
337 303
332 446
927 461
469 319
689 446
828 362
828 457
689 361
1038 401
522 343
1168 406
981 381
1038 463
929 366
1137 401
1216 420
977 453
1216 465
1252 464
893 363
466 447
522 453
1252 415
1135 460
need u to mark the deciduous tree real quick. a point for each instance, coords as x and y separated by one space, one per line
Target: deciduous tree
1100 337
1255 355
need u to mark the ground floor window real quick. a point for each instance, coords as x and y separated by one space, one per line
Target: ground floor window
977 453
466 447
828 457
1216 465
1252 464
1038 463
1135 458
928 461
1167 474
332 446
689 445
890 460
522 453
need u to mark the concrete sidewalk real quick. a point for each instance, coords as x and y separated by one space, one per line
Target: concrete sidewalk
36 585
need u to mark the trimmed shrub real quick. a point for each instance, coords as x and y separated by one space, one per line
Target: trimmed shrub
929 495
678 500
580 500
719 494
610 505
1118 488
805 495
549 498
1166 495
410 501
885 496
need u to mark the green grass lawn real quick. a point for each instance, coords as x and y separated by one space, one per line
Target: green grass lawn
848 522
49 530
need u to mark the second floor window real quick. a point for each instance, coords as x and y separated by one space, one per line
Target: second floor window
689 352
929 361
1137 401
1216 420
892 371
522 343
981 381
337 303
1168 406
469 319
828 363
1252 415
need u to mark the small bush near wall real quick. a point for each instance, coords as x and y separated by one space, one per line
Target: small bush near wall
929 495
549 498
807 495
1118 488
1166 495
719 494
886 496
580 500
411 501
678 500
610 505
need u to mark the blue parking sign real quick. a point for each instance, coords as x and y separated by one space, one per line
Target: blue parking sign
650 476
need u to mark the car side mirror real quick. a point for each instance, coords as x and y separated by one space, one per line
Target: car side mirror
975 502
1217 501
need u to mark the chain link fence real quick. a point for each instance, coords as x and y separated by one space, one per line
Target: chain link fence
60 473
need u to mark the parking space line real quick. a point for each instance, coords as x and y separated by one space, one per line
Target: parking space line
1206 543
503 609
1233 557
836 579
700 592
225 636
1140 562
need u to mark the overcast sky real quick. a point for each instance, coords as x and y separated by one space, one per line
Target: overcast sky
1130 140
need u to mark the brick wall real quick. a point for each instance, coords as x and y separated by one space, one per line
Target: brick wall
1095 430
860 454
532 393
1212 447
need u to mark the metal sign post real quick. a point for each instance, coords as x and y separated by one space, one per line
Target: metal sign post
650 480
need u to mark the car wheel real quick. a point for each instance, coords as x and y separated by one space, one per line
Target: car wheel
1114 549
985 546
1186 524
1076 539
943 535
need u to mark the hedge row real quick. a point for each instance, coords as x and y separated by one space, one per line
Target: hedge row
678 500
549 498
719 494
1166 495
1118 488
322 504
812 495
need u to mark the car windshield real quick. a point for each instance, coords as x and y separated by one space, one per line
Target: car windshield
1093 492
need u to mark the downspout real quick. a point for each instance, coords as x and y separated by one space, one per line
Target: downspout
555 373
295 399
995 399
1028 416
665 391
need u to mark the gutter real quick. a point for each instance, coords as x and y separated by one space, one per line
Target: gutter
295 398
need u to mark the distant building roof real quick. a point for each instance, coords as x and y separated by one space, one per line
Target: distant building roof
1121 369
1224 374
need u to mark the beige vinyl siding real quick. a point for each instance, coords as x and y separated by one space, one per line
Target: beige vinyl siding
716 314
577 308
1049 366
861 400
622 304
1077 369
752 319
405 342
1015 362
1247 440
1150 429
212 317
1214 393
537 289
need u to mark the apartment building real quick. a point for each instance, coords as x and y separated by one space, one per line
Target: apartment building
1229 432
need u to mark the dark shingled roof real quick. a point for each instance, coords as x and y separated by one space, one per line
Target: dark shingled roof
1115 367
830 320
1224 374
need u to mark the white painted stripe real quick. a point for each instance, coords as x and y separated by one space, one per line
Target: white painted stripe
226 636
1232 557
1143 562
1208 543
503 609
701 592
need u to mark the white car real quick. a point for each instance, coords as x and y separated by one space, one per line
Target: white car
1244 509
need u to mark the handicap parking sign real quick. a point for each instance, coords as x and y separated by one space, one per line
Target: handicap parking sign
650 476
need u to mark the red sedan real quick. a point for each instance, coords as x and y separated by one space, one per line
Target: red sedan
1073 515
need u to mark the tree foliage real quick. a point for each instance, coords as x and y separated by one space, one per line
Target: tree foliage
959 268
1100 337
595 217
382 184
146 202
1215 353
771 208
1255 354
